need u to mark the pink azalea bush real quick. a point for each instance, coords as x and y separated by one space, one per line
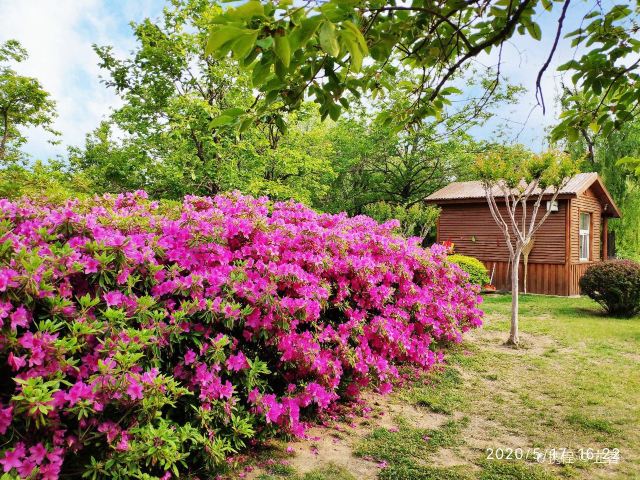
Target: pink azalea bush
145 340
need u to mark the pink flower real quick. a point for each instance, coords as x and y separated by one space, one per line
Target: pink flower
113 298
6 417
15 362
7 276
37 453
13 458
123 444
79 391
50 471
19 318
189 357
26 469
134 390
385 388
237 362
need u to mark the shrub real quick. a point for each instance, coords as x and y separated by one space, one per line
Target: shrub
614 284
415 221
478 273
143 341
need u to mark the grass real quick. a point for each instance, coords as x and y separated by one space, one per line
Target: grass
441 396
407 442
326 472
574 384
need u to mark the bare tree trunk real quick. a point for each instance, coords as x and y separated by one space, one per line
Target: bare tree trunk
525 261
514 337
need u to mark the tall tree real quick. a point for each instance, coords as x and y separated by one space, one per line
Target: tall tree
170 135
513 180
23 103
378 162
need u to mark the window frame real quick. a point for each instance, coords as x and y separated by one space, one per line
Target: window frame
584 233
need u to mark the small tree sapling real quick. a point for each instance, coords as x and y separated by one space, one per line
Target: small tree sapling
512 178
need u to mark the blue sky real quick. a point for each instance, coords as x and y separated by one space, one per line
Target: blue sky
59 33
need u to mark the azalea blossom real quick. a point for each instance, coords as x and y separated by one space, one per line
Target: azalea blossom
156 313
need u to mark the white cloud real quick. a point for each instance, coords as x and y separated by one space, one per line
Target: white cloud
59 36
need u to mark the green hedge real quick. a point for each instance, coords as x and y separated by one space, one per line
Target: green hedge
478 273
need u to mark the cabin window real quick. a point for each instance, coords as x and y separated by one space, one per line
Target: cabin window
585 235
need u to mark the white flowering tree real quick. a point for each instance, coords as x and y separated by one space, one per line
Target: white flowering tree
513 180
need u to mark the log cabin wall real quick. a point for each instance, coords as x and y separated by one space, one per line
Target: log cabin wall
474 232
543 278
587 202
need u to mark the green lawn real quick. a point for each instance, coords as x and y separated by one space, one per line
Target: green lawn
574 384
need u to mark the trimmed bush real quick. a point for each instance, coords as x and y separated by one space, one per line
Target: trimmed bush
478 273
141 340
614 284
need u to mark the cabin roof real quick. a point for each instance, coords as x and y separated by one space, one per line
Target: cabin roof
471 192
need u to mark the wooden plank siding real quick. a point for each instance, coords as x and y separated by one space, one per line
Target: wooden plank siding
544 278
576 271
474 232
587 202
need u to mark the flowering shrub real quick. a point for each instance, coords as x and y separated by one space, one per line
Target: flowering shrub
144 340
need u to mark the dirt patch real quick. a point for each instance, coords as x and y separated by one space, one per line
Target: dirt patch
385 410
482 434
335 443
529 343
446 458
323 447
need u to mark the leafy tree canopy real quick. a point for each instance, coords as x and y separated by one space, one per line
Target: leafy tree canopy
339 49
23 103
168 138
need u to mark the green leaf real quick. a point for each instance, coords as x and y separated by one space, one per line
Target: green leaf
221 121
251 9
233 112
534 30
260 73
351 44
299 37
265 43
283 49
328 39
362 43
244 44
221 36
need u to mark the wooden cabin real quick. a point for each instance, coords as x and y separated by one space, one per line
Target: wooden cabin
573 237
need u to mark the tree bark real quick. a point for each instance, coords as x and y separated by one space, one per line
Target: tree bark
525 263
514 337
5 135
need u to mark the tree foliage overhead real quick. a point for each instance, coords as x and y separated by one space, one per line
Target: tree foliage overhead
604 92
171 134
340 48
23 103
